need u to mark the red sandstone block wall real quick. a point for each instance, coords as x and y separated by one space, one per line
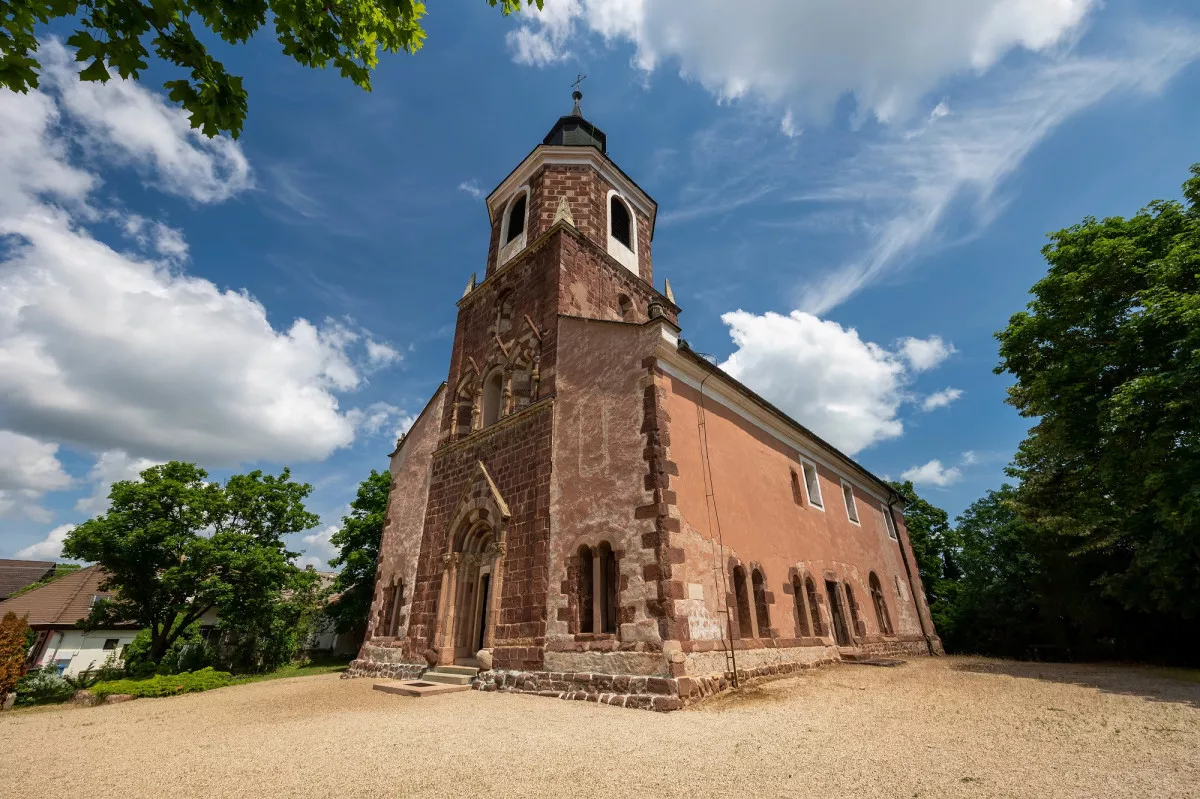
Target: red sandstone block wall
400 544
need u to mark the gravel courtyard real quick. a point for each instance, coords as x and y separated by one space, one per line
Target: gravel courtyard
946 727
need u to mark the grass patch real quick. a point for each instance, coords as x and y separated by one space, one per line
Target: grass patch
306 670
166 684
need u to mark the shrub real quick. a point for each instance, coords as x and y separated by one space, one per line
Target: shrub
42 687
188 653
13 646
166 684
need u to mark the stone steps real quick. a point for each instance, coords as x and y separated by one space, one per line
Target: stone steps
417 687
451 675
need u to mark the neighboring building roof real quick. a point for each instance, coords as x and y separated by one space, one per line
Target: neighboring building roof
16 574
61 603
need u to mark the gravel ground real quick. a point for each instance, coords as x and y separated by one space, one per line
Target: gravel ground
947 727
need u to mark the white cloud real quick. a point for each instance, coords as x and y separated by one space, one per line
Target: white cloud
924 354
810 53
155 236
471 187
787 126
114 351
318 548
29 468
940 399
940 110
970 458
380 354
933 474
49 548
847 390
109 468
128 124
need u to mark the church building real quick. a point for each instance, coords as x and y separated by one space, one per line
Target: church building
588 509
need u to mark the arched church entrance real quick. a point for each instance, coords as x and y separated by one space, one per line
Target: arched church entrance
473 612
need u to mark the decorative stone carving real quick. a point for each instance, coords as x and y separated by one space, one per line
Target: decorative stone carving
563 214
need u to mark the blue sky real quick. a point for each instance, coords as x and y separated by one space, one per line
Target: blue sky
852 201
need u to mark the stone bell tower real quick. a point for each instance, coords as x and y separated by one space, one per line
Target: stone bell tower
470 563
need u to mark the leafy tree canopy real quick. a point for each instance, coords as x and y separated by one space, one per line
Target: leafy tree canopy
117 36
358 544
1107 359
175 546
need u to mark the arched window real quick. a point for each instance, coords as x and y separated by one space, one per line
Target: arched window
599 585
504 312
586 614
814 607
802 629
854 621
516 219
493 396
609 581
760 604
513 227
796 495
621 222
622 232
742 598
391 603
881 610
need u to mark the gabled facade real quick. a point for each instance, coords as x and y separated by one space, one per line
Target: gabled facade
588 508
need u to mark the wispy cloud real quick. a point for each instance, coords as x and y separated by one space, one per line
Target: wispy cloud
908 180
941 399
471 187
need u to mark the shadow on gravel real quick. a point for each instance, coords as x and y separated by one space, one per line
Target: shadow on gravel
1150 682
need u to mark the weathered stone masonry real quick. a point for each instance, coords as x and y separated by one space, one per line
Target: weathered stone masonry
552 516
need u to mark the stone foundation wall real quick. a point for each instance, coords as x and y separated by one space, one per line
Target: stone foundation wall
759 662
642 693
910 648
383 661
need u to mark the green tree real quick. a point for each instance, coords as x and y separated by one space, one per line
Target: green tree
358 545
1107 359
175 546
933 541
117 36
270 636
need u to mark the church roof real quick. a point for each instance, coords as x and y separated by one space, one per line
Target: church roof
575 131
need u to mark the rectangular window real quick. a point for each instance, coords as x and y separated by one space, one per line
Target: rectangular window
110 644
891 525
813 485
851 509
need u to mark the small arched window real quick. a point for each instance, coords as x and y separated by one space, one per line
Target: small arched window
742 597
586 614
599 585
621 223
802 628
622 232
760 604
853 603
880 602
504 312
516 219
493 396
814 607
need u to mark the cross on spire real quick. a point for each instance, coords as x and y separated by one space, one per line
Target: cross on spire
577 95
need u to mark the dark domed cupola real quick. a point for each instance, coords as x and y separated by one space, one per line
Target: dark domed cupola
575 131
